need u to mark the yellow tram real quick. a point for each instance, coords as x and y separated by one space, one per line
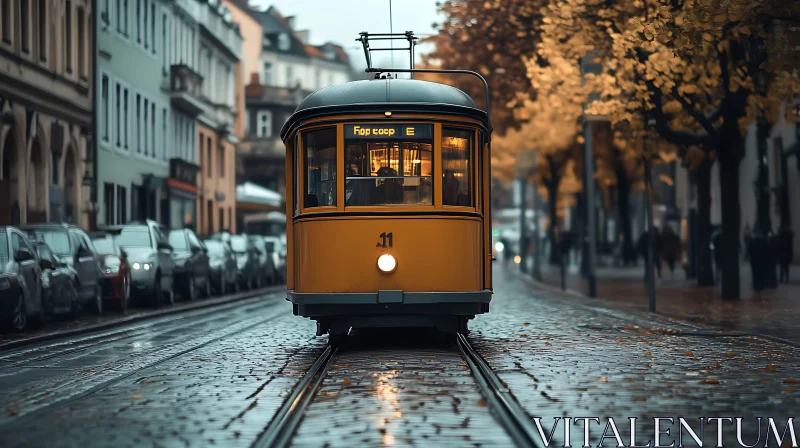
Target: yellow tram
388 206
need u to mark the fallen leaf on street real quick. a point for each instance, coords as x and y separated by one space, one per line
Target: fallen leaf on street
481 403
709 381
603 379
137 396
772 367
647 354
789 390
729 354
717 364
524 335
689 353
791 381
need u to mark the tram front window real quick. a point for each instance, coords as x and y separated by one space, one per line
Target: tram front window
456 167
320 164
388 173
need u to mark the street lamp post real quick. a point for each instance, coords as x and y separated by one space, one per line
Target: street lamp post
650 264
588 183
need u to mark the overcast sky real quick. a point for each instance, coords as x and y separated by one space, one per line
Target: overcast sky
340 21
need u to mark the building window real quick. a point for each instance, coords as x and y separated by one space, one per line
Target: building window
6 10
106 15
153 129
68 33
265 124
221 160
24 26
104 106
138 21
138 123
122 205
289 76
230 219
56 160
146 130
43 30
126 118
122 17
153 27
221 219
118 105
81 43
144 26
210 216
164 41
208 150
267 79
108 199
164 134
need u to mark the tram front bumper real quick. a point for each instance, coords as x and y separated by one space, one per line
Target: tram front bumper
390 302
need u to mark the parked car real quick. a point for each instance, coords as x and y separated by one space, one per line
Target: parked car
246 260
277 247
116 269
20 280
72 245
150 257
192 272
222 263
59 295
265 270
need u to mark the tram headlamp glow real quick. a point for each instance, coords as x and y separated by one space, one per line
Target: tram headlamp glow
498 246
517 259
387 263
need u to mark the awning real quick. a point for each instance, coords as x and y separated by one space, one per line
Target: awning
250 193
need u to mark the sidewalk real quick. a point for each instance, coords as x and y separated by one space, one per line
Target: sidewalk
772 312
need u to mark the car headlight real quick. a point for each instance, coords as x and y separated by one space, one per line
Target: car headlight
136 266
5 283
387 263
147 266
498 246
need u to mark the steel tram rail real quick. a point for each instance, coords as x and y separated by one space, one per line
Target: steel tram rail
287 419
501 401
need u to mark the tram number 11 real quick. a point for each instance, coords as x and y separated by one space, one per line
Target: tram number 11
385 237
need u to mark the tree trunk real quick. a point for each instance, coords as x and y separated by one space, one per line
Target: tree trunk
623 209
729 195
705 271
552 208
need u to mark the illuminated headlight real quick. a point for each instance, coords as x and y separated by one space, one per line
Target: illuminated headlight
146 266
498 246
136 266
387 263
517 259
4 284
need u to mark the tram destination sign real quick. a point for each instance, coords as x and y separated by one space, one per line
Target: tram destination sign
388 131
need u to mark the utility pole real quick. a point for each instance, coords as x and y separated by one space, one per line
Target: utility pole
588 188
523 239
537 271
650 275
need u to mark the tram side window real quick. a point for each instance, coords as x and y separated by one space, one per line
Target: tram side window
388 173
457 167
320 165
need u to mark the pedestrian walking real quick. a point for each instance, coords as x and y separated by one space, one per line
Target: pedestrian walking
670 248
642 247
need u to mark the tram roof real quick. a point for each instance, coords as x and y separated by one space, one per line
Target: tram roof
406 95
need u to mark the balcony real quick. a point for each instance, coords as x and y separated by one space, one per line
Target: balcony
185 87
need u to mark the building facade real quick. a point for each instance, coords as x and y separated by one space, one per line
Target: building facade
46 163
288 69
220 54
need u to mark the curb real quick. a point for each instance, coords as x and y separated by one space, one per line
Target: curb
113 323
701 331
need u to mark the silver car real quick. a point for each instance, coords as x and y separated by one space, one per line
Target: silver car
150 258
276 246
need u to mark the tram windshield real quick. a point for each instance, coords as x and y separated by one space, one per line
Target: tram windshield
388 173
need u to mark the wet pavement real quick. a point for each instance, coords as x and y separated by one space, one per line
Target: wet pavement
216 379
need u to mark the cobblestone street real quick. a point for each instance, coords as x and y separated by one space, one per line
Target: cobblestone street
217 379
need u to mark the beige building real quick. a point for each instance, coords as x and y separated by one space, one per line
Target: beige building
46 111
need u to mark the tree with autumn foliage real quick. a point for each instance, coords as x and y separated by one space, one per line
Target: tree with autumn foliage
685 70
490 37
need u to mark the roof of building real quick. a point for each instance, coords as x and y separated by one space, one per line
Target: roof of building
386 94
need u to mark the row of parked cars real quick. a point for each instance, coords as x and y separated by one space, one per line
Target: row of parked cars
60 269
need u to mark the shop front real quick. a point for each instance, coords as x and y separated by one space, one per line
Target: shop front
180 195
